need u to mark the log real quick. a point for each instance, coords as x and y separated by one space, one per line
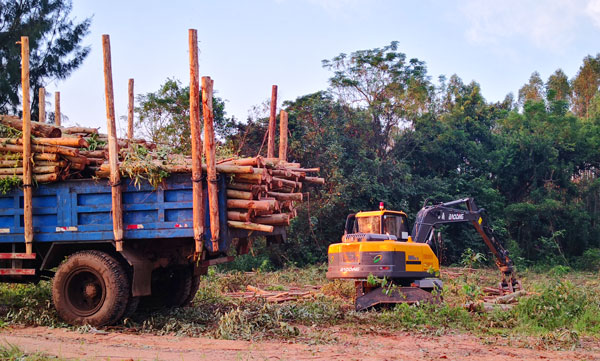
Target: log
36 170
283 135
37 129
78 159
255 189
42 105
511 297
186 168
75 130
11 163
305 170
250 226
198 210
286 173
94 153
233 169
272 125
280 219
275 162
288 183
67 142
235 194
39 178
37 156
130 110
15 146
26 127
57 117
209 153
266 205
240 216
254 178
286 196
255 162
60 164
315 180
95 161
113 147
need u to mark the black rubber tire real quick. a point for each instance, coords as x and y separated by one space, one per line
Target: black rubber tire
132 306
193 290
171 287
92 288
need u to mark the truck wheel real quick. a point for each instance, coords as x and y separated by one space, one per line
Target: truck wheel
179 286
91 288
193 290
132 306
171 287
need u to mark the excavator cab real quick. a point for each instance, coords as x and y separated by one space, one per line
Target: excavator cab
376 225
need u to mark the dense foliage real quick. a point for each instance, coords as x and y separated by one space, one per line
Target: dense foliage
385 131
54 42
164 116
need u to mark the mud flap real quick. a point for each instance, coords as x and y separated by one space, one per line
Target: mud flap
408 295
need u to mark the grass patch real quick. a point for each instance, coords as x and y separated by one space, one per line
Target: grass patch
13 353
561 309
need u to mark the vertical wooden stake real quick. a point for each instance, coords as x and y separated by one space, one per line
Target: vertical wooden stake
27 190
196 135
42 105
283 135
57 109
113 147
211 167
130 111
272 125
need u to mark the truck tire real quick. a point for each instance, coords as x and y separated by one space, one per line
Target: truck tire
132 306
171 287
193 290
92 288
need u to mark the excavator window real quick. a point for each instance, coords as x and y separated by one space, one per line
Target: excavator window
369 224
395 225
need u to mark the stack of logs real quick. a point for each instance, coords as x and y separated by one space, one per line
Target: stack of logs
267 196
261 192
58 153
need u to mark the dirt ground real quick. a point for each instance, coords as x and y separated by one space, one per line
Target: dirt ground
349 346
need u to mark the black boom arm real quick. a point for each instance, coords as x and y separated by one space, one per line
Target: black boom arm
431 216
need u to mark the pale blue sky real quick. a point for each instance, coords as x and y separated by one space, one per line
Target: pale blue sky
246 46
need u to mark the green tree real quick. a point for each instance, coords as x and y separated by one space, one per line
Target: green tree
381 81
54 41
164 116
558 87
533 90
585 85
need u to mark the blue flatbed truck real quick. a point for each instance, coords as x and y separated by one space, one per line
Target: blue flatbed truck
73 244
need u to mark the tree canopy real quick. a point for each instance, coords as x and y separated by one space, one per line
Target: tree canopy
385 132
55 42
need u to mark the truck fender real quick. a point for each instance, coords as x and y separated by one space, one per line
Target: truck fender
141 284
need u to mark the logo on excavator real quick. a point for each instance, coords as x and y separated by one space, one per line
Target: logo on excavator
377 258
455 216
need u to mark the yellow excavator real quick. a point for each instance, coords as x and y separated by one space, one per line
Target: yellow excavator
376 246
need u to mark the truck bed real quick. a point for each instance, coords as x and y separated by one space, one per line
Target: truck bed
79 211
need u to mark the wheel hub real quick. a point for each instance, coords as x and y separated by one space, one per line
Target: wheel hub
90 291
85 292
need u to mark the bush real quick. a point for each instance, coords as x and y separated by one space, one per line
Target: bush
561 305
590 260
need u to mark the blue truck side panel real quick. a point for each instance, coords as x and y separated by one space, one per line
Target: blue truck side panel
79 211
